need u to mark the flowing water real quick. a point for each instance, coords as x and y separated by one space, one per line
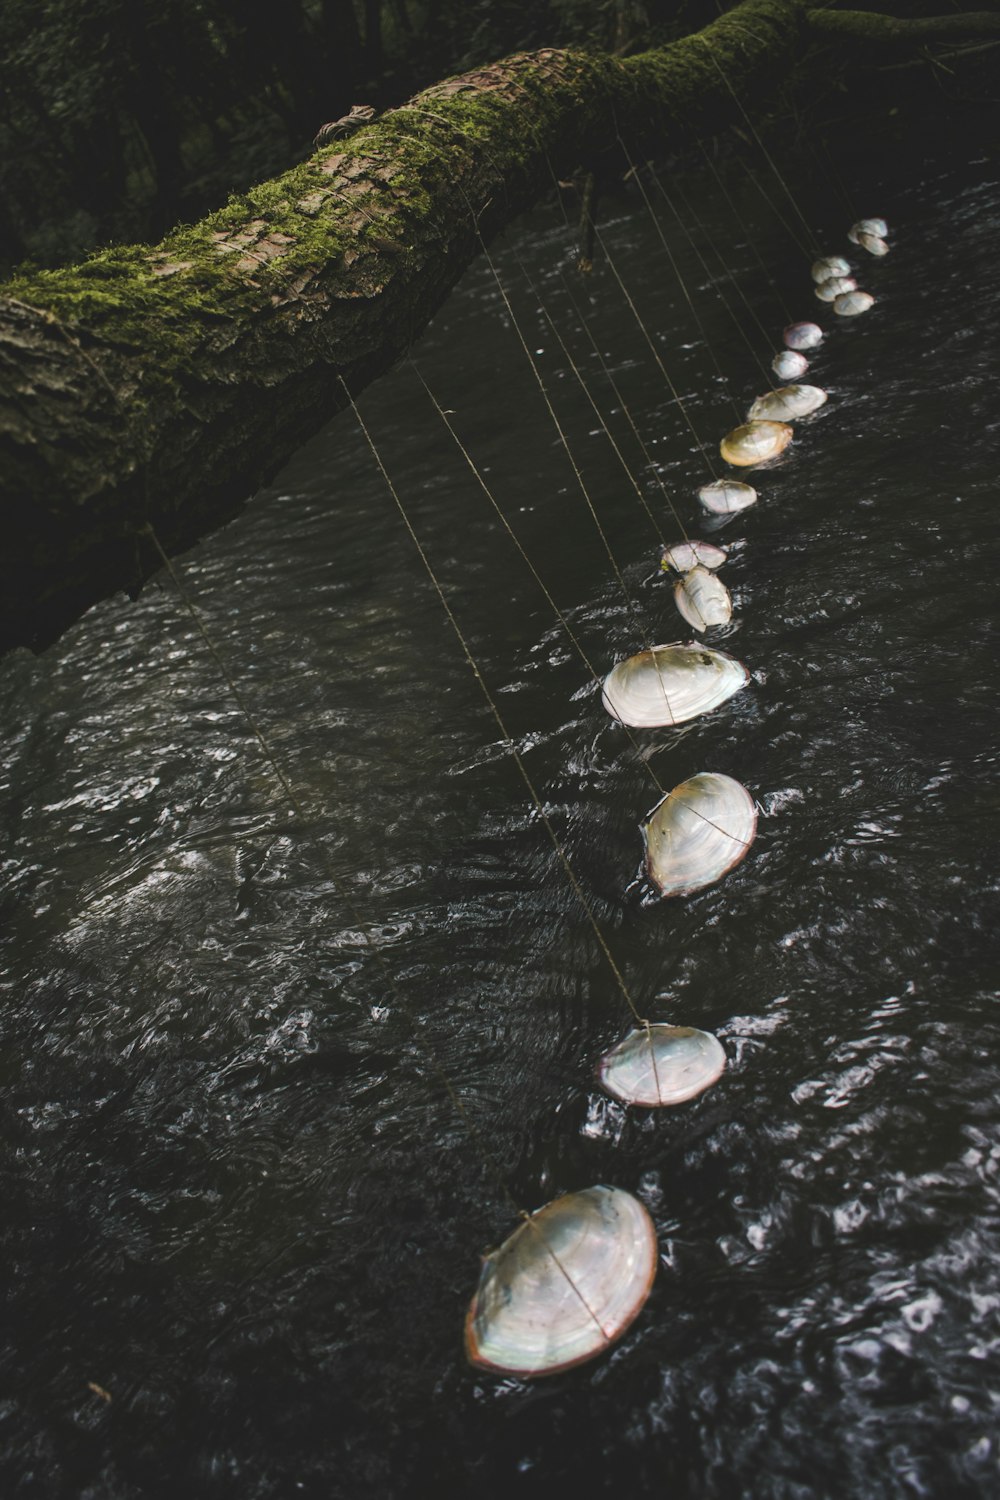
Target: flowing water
237 1198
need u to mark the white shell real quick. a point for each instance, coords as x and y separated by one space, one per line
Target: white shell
698 832
788 365
670 685
660 1065
830 265
833 286
703 599
853 303
724 497
877 227
564 1286
755 442
873 243
683 556
787 403
802 336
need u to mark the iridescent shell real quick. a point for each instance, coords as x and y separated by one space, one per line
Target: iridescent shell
802 336
755 442
787 403
830 265
564 1286
683 556
703 599
724 497
659 1065
698 832
788 365
834 286
877 227
853 303
873 243
670 685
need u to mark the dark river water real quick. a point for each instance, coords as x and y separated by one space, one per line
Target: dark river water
237 1198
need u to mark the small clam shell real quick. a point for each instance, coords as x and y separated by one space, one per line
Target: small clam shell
873 243
833 286
788 365
703 599
877 227
802 336
698 832
660 1065
670 685
787 403
830 265
564 1286
683 556
724 497
853 303
755 442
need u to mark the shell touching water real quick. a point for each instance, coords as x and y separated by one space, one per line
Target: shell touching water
877 228
853 303
833 286
564 1286
670 685
724 497
683 556
874 244
755 442
801 336
788 403
830 265
788 365
698 833
660 1065
703 599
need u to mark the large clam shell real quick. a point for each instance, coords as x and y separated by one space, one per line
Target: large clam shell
787 403
830 265
724 497
670 685
833 286
703 599
658 1065
788 365
564 1286
801 336
755 442
852 303
683 556
877 227
698 833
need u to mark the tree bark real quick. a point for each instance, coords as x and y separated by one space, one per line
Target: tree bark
161 385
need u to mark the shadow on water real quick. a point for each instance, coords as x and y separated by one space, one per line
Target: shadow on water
236 1197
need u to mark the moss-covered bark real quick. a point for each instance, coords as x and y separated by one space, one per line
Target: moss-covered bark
164 384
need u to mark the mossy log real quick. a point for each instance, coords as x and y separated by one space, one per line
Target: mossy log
873 27
161 385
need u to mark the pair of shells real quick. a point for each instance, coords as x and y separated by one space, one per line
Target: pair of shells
870 234
671 685
702 598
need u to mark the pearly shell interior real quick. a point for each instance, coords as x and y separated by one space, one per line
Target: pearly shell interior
755 442
670 685
788 403
703 599
683 556
698 833
724 497
662 1065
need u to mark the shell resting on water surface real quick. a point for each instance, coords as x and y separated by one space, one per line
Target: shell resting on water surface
875 227
755 442
852 303
683 556
703 599
698 833
670 685
659 1065
874 244
801 336
787 403
564 1286
788 365
833 286
830 265
724 497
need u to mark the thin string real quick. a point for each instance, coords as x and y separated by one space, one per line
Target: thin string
738 219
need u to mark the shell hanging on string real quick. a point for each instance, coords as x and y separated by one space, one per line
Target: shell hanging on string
788 403
703 599
659 1065
755 442
874 244
724 497
834 286
801 336
698 833
876 228
830 265
670 685
564 1286
683 556
853 303
788 365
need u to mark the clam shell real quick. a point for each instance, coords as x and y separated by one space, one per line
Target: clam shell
724 497
877 227
787 403
802 336
755 442
788 365
670 685
833 286
873 243
659 1065
683 556
703 599
852 303
698 832
830 265
564 1286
